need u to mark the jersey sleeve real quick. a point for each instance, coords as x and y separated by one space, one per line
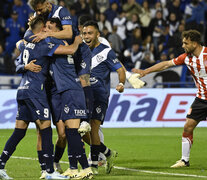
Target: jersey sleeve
49 47
65 17
180 59
19 64
112 61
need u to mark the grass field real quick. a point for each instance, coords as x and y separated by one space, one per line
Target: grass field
144 153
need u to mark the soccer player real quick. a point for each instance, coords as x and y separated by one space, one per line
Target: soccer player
32 102
195 59
103 62
49 10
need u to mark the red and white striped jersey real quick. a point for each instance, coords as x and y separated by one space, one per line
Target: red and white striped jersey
198 69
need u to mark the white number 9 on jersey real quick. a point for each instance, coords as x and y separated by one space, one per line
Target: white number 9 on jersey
25 56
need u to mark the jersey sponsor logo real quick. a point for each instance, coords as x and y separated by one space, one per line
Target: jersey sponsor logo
93 80
26 83
99 58
80 112
66 109
66 18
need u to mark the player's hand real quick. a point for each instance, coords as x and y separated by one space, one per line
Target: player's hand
33 67
135 81
30 19
78 39
120 88
139 71
38 37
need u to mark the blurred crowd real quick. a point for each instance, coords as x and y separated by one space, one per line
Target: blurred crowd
141 32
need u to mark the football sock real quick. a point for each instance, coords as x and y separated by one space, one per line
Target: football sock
94 155
106 151
47 148
187 141
76 149
58 153
10 146
41 160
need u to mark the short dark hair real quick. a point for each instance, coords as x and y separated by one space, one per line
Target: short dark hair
194 35
57 22
36 21
83 19
33 3
91 23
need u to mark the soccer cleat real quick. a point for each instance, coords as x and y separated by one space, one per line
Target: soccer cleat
94 170
57 167
110 161
181 163
84 127
86 173
4 175
55 175
72 173
43 174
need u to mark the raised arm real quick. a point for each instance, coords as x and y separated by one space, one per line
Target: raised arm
157 67
71 49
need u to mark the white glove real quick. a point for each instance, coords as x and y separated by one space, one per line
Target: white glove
134 80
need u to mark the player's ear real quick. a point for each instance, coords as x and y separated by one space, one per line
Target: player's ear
98 34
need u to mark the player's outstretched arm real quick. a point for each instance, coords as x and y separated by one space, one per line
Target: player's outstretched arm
71 49
66 33
157 67
122 79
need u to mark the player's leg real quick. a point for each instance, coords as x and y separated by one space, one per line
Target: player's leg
40 154
187 141
102 157
60 145
11 144
22 121
197 113
71 117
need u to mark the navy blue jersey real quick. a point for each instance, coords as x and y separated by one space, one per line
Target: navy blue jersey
32 84
63 71
62 13
104 61
82 59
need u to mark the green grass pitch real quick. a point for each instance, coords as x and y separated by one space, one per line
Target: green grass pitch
144 153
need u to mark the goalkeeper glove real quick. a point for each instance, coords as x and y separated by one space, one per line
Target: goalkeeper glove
134 80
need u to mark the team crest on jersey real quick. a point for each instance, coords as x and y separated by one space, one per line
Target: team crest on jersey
50 45
98 109
99 58
83 65
66 109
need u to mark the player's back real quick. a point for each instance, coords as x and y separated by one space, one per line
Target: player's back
32 84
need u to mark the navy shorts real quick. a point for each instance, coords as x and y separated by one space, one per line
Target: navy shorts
33 109
55 105
99 111
73 105
198 110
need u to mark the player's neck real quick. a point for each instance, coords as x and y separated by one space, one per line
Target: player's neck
198 51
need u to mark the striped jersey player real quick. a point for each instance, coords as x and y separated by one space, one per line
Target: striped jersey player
195 57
